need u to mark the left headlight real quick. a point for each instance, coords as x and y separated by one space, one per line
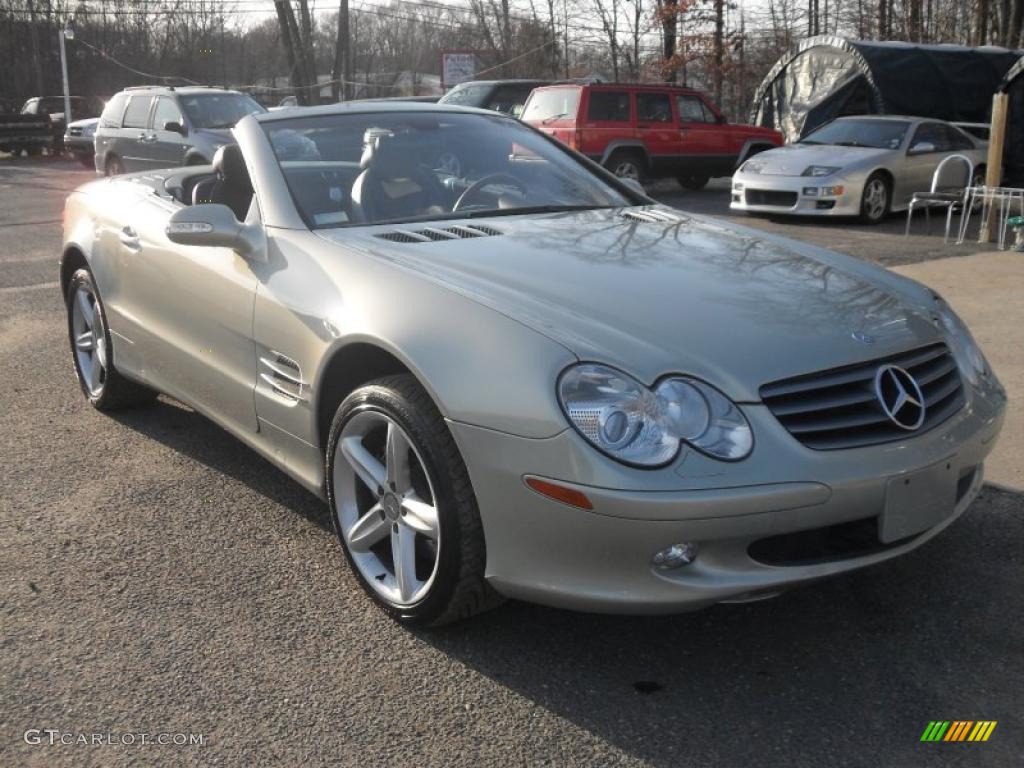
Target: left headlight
88 130
644 427
968 355
820 170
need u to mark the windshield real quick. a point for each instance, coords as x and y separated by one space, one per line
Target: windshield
345 170
878 134
551 104
218 110
467 95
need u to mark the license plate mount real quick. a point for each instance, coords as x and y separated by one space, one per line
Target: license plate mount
917 501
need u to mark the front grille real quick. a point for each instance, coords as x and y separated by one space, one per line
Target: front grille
771 197
74 131
836 409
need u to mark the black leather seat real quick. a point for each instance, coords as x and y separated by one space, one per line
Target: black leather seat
231 187
387 159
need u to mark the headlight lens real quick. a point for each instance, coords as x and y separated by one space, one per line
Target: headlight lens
965 349
820 170
631 423
752 166
89 130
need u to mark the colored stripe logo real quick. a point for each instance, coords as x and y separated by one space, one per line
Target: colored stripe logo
958 730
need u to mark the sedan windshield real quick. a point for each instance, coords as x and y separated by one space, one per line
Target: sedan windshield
371 168
877 134
218 110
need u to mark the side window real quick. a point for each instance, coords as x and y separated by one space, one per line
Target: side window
166 112
692 110
137 114
111 117
928 133
506 98
653 108
611 106
954 139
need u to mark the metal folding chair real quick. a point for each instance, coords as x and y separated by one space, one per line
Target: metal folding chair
945 192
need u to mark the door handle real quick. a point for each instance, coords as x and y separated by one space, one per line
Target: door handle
129 238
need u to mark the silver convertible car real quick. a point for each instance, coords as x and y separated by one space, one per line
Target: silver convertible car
526 380
853 166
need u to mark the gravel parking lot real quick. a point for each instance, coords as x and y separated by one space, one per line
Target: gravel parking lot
158 577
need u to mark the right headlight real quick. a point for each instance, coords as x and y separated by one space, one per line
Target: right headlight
965 349
645 427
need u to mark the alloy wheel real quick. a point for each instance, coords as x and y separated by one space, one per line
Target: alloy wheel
876 199
386 508
627 169
90 340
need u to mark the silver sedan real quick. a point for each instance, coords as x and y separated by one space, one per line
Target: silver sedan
853 166
524 379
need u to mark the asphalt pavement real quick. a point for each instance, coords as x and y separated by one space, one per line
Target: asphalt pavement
158 577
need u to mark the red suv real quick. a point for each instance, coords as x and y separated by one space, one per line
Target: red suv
639 131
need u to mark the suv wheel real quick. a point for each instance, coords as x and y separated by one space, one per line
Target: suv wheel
626 165
113 166
693 181
874 202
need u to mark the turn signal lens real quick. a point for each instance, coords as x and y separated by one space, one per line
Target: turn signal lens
560 493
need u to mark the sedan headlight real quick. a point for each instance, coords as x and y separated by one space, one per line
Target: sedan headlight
966 352
820 170
644 427
752 166
88 130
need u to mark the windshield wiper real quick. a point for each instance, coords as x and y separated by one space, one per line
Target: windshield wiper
534 209
551 119
809 141
848 144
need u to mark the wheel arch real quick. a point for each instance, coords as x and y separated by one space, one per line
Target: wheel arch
349 365
626 144
753 147
72 259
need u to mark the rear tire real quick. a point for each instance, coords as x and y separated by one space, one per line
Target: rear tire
627 164
395 479
693 181
92 352
876 199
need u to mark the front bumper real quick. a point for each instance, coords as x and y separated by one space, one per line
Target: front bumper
786 195
601 560
80 145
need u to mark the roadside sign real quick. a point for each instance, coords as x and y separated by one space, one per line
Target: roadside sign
457 67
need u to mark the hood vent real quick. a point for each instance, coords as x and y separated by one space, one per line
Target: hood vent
434 234
284 377
653 216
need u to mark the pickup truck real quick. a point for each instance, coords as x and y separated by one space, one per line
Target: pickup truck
52 107
23 133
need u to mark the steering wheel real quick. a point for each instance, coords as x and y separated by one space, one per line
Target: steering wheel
486 181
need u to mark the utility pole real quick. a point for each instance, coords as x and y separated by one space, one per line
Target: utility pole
67 33
342 56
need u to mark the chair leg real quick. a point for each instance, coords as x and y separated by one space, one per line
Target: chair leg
910 212
928 218
949 224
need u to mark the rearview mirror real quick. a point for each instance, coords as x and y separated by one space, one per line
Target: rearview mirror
214 225
174 127
922 147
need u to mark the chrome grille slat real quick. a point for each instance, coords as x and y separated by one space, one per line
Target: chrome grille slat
837 408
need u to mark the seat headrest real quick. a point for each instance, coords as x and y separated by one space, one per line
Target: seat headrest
386 153
230 165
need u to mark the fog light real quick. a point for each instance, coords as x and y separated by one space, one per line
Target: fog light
810 191
676 556
832 191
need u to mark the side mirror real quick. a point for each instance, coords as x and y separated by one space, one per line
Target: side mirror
214 225
174 127
633 184
921 148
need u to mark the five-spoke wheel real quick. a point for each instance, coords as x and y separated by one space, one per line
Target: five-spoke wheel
403 506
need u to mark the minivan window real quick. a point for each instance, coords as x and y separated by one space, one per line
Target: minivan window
111 117
138 112
507 97
653 108
552 104
218 110
166 112
611 106
466 95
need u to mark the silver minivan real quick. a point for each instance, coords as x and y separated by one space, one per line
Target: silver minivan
149 127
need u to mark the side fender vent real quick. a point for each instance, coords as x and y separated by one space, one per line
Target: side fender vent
284 377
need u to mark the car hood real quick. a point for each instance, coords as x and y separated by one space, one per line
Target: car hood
791 160
675 294
88 122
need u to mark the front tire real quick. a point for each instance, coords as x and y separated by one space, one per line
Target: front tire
91 350
875 200
627 165
693 181
403 506
85 160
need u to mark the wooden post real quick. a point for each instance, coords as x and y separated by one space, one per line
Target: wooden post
994 166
